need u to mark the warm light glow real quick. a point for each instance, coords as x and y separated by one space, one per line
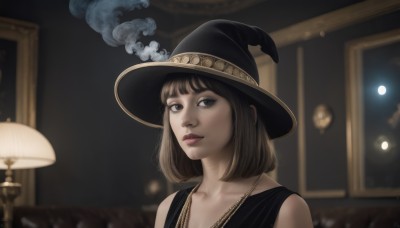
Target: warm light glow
25 146
385 145
381 90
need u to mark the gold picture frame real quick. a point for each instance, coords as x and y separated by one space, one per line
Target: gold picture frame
25 36
372 137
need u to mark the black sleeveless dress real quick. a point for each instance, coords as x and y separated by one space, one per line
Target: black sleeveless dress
259 210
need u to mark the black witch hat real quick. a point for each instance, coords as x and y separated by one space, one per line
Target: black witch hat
217 49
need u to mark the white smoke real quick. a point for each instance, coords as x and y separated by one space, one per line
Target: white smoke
103 17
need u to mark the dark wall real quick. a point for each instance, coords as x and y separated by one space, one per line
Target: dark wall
325 82
106 159
103 157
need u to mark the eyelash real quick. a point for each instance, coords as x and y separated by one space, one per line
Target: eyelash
171 106
208 102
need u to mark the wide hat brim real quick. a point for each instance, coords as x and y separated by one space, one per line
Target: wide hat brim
137 91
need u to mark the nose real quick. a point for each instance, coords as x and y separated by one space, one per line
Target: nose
189 117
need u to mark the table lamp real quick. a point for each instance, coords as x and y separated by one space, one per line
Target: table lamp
21 147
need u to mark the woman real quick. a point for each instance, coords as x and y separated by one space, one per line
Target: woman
217 123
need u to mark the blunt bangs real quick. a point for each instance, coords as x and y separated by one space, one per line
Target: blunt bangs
183 84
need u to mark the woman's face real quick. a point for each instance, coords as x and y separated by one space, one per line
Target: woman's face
202 123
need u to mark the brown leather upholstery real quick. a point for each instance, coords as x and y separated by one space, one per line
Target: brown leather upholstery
357 217
81 217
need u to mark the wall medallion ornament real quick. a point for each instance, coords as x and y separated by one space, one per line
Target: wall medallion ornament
322 117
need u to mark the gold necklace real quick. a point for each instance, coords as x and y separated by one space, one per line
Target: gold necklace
183 219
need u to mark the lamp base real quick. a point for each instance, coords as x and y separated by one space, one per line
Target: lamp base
8 192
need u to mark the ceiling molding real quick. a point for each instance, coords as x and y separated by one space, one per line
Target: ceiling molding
321 25
203 7
315 27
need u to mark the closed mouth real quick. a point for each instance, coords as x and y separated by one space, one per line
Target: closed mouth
191 139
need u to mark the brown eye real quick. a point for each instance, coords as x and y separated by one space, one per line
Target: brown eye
207 102
174 107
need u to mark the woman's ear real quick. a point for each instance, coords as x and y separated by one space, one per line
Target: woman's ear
253 111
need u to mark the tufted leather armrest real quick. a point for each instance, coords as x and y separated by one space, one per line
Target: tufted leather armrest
356 217
81 217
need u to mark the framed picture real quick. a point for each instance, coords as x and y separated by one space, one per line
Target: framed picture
373 115
18 67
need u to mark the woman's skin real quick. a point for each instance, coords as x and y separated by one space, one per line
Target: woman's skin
202 124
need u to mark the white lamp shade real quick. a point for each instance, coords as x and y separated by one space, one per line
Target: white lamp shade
26 146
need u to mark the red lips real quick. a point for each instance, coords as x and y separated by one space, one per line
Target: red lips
191 139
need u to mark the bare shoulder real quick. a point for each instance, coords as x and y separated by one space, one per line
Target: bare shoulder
163 210
294 212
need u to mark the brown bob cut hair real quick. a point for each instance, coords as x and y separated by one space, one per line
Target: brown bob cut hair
252 153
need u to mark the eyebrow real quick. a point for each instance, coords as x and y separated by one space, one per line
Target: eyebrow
191 91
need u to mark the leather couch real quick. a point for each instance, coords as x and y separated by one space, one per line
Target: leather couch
80 217
357 217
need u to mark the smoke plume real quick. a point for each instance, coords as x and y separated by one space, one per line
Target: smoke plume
103 16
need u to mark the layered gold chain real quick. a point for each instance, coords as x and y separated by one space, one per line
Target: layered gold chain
183 219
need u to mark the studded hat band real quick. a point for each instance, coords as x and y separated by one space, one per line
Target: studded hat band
212 62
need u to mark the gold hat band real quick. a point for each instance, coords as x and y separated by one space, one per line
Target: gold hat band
212 62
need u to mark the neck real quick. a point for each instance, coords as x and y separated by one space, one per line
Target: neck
214 169
212 185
